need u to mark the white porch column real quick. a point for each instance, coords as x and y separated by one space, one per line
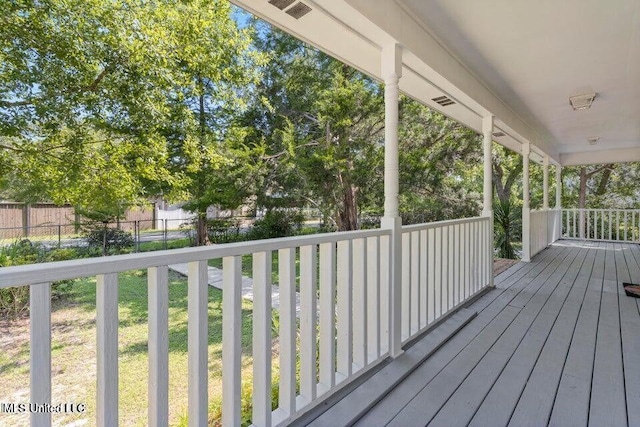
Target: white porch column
545 183
487 137
558 187
558 206
391 72
487 205
526 229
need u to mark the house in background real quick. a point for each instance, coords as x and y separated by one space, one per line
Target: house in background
406 325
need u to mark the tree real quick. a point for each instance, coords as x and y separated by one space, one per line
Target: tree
436 180
507 172
321 124
214 68
80 95
107 103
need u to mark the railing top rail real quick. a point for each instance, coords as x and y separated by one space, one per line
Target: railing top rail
436 224
63 270
601 209
536 211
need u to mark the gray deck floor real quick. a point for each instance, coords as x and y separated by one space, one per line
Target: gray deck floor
556 343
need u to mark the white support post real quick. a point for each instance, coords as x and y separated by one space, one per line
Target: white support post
391 72
487 135
487 206
558 202
545 183
558 187
526 207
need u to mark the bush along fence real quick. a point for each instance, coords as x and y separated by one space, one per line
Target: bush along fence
98 238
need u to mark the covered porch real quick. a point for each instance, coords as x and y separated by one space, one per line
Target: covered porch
413 308
555 343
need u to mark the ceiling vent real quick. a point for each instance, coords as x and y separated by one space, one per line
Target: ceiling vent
299 10
582 102
443 100
281 4
593 140
498 134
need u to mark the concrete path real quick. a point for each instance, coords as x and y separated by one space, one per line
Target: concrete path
215 280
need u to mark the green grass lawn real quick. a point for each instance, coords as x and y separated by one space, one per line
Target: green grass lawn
74 352
159 245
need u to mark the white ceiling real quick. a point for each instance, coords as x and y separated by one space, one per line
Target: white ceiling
534 55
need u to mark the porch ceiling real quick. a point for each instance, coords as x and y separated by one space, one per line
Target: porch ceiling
519 62
535 55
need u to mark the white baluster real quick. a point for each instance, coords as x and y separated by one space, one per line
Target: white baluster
158 388
308 314
359 303
344 325
197 342
107 349
288 328
231 341
262 339
373 299
327 314
40 350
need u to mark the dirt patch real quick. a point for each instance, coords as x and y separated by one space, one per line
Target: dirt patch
502 264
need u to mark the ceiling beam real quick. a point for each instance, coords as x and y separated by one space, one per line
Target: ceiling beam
621 155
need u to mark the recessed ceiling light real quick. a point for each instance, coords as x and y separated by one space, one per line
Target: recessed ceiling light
582 102
593 140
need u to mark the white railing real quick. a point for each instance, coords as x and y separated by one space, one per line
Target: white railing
443 265
544 229
344 314
343 318
602 224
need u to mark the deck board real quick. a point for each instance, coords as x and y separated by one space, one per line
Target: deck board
608 401
501 401
555 343
488 307
529 303
630 332
571 406
460 408
536 401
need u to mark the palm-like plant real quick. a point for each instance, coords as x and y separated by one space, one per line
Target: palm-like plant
507 225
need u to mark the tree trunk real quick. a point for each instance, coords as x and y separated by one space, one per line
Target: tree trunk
202 237
347 215
604 180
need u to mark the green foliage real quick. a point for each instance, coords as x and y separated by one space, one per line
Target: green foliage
14 301
108 240
507 219
107 103
277 223
607 186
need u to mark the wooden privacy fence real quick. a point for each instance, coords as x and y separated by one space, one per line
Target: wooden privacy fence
18 220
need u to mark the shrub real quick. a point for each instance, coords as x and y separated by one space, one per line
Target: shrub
109 240
277 223
507 226
14 301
